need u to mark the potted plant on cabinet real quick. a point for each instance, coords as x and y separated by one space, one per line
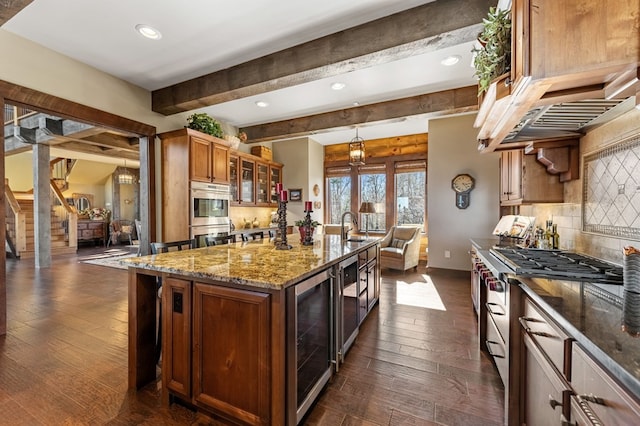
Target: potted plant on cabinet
204 123
493 58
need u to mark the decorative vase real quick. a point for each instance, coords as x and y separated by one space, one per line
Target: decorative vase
303 232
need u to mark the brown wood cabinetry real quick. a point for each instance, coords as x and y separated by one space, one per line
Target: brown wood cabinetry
208 160
562 51
176 316
188 155
231 365
253 180
524 180
224 369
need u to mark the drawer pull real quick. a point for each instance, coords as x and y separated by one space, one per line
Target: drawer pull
542 334
553 403
584 405
592 398
523 322
488 305
489 343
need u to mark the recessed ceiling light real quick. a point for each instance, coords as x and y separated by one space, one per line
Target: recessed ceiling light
451 60
338 85
262 104
148 32
356 103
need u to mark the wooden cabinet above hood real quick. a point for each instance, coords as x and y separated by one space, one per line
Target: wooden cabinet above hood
566 61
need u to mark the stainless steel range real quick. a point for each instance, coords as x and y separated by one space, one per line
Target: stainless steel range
558 264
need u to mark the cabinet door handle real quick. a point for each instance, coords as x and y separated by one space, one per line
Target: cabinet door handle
553 403
488 344
586 409
488 305
592 398
523 322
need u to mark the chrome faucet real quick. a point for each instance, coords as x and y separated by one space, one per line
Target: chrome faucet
344 233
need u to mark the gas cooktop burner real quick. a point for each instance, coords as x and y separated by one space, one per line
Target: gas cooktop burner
558 264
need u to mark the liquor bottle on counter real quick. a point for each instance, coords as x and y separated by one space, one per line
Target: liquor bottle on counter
555 236
539 238
548 236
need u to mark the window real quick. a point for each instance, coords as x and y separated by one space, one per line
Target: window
410 193
338 194
373 186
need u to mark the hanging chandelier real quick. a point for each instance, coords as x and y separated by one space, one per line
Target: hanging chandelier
125 177
356 151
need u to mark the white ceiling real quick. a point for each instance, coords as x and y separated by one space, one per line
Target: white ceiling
203 36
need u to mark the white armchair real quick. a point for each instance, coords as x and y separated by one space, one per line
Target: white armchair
400 248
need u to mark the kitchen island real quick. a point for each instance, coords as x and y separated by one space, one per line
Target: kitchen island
231 320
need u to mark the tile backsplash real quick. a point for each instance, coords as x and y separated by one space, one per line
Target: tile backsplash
611 190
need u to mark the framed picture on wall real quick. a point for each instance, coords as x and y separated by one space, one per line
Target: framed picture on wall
295 194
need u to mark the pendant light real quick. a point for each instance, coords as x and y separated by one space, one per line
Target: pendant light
356 151
125 177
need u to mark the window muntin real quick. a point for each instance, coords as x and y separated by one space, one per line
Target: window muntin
373 188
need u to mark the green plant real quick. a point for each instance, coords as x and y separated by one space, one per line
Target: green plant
494 57
205 124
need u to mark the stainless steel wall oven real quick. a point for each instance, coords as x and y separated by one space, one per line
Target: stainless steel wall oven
209 204
209 211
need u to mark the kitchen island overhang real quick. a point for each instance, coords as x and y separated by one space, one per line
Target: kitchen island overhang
248 280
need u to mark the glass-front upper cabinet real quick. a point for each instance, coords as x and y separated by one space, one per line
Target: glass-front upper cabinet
233 177
275 177
247 185
262 183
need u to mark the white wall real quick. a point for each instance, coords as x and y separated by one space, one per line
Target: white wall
303 161
453 150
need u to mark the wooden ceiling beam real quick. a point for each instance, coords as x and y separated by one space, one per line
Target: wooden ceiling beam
10 8
453 101
423 29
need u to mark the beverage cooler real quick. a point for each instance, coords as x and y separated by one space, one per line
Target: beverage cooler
309 336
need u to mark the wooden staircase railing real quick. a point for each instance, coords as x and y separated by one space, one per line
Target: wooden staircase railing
17 227
16 222
71 213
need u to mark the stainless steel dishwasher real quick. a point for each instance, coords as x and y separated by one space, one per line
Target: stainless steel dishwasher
347 303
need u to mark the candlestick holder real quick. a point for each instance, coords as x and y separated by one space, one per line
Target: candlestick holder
281 240
308 229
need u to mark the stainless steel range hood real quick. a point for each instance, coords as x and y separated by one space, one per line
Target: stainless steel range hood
568 119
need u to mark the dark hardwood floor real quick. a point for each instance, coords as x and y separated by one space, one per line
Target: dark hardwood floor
64 358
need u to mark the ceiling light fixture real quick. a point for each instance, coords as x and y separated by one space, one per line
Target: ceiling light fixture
356 103
356 151
262 104
125 177
148 32
338 85
451 60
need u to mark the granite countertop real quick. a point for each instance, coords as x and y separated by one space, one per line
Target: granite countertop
254 263
594 314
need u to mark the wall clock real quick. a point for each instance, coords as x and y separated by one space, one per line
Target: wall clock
462 184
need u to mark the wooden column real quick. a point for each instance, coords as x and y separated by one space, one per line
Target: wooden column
41 205
147 193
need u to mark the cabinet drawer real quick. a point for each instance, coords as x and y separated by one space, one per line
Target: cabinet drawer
598 392
552 341
497 311
497 349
